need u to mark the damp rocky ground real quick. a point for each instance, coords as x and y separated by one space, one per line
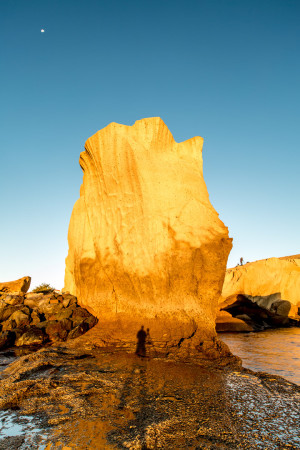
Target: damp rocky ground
63 397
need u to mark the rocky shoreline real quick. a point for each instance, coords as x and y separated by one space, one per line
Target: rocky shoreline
95 398
62 386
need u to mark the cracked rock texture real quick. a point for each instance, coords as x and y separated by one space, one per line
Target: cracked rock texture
145 244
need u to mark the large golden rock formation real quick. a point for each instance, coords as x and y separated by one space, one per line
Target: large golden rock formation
17 286
146 247
273 284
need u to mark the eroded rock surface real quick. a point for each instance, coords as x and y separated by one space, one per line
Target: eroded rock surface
266 292
16 287
145 244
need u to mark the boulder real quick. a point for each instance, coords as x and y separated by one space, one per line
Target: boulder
66 302
36 318
233 325
145 244
78 316
17 286
226 323
56 331
42 325
17 320
8 325
8 299
7 311
34 336
66 324
90 321
281 307
14 299
7 339
65 313
32 300
34 296
50 310
78 331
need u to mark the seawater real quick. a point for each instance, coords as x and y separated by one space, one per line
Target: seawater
275 351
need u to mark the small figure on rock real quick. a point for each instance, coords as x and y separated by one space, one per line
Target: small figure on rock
148 338
141 344
241 261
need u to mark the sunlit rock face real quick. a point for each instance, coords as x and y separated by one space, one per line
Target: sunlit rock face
146 247
18 286
272 284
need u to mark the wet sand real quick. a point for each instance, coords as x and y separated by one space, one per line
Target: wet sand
103 399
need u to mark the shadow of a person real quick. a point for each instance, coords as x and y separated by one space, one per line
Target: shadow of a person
141 344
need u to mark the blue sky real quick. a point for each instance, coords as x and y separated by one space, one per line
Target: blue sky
228 71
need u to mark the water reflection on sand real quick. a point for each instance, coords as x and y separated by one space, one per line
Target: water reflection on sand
99 398
273 351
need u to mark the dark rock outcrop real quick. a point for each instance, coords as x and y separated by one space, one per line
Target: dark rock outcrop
225 322
34 336
37 319
255 313
6 339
